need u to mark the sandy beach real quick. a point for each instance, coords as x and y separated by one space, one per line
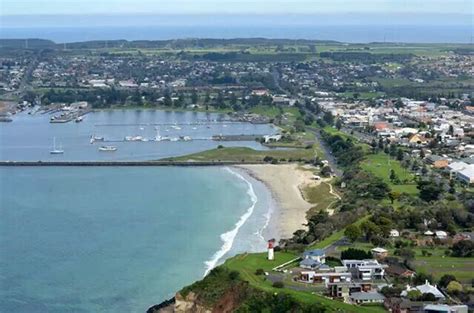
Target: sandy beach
285 182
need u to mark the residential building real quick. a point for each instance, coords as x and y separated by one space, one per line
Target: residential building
366 297
365 269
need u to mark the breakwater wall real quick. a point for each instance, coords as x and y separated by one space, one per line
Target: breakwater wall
123 163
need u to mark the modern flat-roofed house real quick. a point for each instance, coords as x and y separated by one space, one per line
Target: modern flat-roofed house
366 269
325 277
366 297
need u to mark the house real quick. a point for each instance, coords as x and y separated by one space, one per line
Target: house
397 270
441 234
394 233
379 253
365 269
425 288
310 264
317 255
428 233
466 175
343 289
400 305
444 308
455 167
437 161
366 297
325 277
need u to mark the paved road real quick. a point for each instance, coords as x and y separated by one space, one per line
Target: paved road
328 154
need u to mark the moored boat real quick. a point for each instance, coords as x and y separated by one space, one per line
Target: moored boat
108 148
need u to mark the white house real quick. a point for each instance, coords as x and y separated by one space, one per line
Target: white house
466 175
425 288
441 234
366 269
394 233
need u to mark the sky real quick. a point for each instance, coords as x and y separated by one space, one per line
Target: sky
67 7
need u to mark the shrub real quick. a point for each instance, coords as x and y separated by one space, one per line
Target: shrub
233 275
278 284
454 287
220 146
259 272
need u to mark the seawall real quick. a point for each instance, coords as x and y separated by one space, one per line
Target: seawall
123 163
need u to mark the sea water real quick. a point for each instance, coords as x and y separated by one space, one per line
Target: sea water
94 239
31 137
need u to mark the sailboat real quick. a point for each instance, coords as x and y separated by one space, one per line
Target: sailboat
56 150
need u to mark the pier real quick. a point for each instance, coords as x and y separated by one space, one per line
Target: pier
122 163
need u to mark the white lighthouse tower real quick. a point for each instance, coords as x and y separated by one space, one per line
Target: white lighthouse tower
271 244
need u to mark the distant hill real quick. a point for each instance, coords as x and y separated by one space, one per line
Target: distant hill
27 43
176 43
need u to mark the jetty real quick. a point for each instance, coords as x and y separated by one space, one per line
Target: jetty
123 163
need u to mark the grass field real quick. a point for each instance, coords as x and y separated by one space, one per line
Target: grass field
380 165
247 264
319 196
438 265
243 155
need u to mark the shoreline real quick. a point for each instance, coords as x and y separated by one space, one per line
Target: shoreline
284 182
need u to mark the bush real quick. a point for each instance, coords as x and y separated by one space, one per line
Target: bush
464 248
233 275
355 254
220 146
445 280
259 272
454 287
278 284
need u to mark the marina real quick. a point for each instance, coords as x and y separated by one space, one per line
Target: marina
137 135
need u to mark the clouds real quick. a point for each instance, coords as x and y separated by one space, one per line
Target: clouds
36 7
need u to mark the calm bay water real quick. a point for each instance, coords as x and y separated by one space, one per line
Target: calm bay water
30 137
120 239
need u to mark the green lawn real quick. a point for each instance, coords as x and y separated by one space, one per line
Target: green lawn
438 265
380 165
243 154
335 236
247 264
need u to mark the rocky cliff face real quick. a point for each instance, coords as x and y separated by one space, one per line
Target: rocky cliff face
191 303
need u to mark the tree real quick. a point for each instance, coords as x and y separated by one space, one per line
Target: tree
427 297
326 171
194 97
328 118
454 287
394 195
393 176
353 232
338 124
445 280
355 254
414 295
400 155
463 248
429 190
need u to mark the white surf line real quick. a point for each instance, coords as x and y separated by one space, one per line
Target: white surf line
229 237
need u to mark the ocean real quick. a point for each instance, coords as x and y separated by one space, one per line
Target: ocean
275 29
120 239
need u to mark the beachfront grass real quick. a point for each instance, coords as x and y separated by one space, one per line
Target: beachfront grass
246 155
380 165
247 264
320 196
